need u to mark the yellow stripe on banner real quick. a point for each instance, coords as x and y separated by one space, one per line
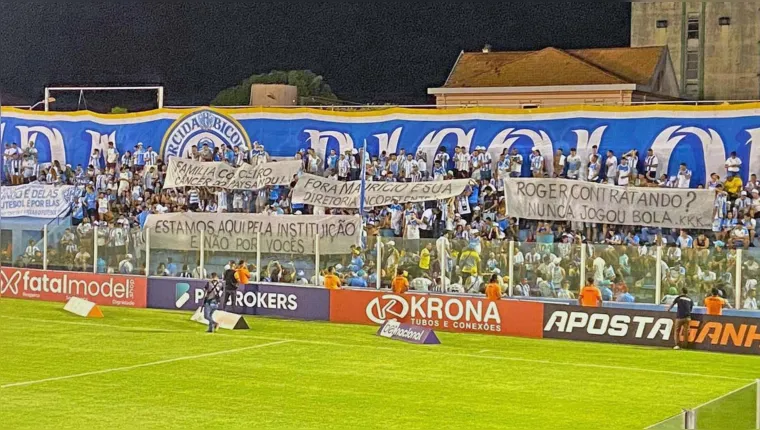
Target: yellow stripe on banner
405 111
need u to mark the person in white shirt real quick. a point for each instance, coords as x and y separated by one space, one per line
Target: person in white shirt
313 163
31 251
475 164
684 240
750 299
102 205
594 168
516 162
537 166
598 270
408 167
650 165
112 156
733 165
422 165
633 162
611 163
197 273
462 163
684 177
573 162
344 166
623 173
486 160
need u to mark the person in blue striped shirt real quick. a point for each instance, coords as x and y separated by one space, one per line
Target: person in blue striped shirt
95 160
139 157
151 157
684 241
193 199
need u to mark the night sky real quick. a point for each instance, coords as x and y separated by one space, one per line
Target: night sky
370 52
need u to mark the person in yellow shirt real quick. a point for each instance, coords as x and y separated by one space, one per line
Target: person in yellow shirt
425 257
732 186
715 303
400 284
590 296
493 289
469 262
332 281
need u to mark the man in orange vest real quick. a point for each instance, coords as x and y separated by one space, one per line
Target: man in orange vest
590 296
400 284
242 274
493 289
332 281
715 303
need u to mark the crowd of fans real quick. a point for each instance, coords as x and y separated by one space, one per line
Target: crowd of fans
467 237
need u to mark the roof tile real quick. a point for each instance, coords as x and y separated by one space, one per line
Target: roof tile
552 66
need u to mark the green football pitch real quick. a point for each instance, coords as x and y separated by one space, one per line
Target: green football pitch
156 369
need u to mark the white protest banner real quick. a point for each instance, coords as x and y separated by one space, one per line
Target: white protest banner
567 200
190 173
280 234
36 200
315 190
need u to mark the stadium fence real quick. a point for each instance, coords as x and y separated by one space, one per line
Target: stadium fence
739 409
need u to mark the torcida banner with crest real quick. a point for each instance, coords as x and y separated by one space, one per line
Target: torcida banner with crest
701 137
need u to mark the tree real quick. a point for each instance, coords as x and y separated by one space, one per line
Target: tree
312 89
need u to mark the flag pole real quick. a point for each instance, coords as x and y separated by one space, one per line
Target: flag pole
362 190
363 180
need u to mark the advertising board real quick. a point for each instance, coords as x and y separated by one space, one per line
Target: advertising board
439 312
650 328
254 299
54 286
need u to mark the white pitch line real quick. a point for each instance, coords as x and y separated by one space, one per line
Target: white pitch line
92 324
422 351
530 360
138 366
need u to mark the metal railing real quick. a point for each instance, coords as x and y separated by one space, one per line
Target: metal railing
367 107
739 409
542 269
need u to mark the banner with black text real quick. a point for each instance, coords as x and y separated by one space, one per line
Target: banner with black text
36 200
280 234
318 191
190 173
568 200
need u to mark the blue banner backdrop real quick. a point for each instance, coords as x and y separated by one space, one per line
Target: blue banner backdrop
702 137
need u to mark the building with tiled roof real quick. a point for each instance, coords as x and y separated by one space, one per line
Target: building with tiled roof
556 77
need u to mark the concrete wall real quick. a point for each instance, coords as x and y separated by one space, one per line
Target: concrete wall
615 98
732 52
729 55
644 31
273 95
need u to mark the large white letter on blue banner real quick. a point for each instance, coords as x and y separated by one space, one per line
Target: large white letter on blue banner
36 200
701 137
566 200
